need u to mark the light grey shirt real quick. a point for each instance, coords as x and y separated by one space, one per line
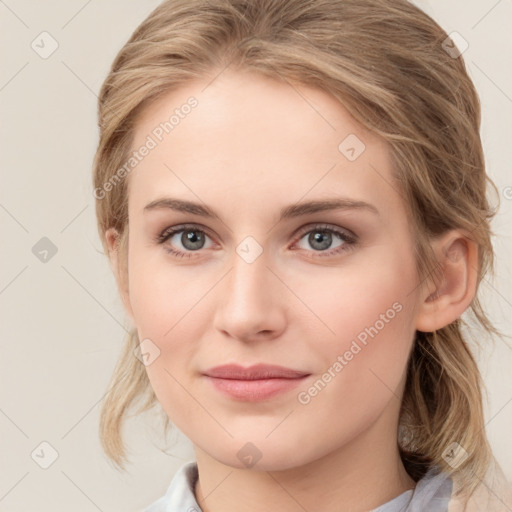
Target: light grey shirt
432 493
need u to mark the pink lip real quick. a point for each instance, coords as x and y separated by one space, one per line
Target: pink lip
257 382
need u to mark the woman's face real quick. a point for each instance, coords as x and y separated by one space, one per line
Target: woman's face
294 251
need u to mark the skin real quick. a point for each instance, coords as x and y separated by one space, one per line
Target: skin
252 146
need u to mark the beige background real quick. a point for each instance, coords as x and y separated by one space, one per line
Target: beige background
62 321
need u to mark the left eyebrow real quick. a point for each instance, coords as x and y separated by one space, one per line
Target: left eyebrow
291 211
308 207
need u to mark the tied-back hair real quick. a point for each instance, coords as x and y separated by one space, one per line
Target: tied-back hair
385 63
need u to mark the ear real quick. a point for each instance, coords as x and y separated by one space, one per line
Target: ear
121 274
444 300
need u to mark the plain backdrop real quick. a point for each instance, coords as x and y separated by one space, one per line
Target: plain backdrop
62 323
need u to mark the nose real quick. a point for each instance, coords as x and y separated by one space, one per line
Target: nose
251 302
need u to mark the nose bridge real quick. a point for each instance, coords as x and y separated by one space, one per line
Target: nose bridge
249 302
248 280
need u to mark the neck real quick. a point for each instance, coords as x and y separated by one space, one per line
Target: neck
359 476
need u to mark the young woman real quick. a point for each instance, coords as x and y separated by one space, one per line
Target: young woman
292 194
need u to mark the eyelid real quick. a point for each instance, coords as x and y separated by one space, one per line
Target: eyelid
327 227
172 230
345 234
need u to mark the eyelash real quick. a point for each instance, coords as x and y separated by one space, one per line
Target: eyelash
348 238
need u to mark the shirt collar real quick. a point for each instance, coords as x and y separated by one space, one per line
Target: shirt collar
431 493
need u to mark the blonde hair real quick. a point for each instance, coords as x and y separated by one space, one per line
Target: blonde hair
385 62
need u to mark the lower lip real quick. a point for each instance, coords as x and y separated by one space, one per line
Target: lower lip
254 390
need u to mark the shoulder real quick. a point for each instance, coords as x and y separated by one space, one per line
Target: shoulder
494 494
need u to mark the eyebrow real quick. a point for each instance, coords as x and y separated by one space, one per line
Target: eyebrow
291 211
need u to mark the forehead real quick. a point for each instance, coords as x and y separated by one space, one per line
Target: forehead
252 138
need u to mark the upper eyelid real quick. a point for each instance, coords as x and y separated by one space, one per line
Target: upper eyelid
173 230
327 227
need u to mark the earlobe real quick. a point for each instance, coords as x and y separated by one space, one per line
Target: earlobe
113 237
445 299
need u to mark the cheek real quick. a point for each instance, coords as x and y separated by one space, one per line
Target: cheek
369 310
167 309
343 303
164 299
170 320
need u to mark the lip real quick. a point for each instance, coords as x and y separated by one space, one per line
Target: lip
254 383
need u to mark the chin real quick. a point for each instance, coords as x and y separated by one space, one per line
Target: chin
260 454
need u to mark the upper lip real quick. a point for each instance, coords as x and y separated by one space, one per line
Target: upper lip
255 372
